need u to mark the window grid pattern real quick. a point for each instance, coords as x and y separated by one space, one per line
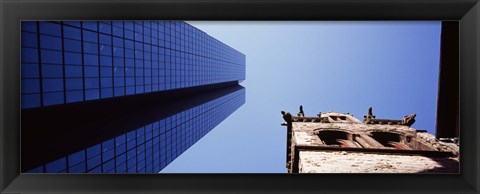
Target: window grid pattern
76 61
151 148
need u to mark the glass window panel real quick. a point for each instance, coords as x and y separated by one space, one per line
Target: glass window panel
73 71
92 25
29 26
90 59
74 96
72 45
91 83
108 155
93 162
92 94
53 98
105 27
106 82
105 61
117 31
50 42
118 62
52 85
30 100
52 71
93 151
78 168
74 83
117 51
105 50
30 70
30 85
91 48
72 33
52 57
29 40
56 166
50 28
91 71
76 158
30 55
90 36
73 58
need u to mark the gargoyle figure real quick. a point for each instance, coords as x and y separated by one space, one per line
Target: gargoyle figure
369 117
409 119
287 116
301 114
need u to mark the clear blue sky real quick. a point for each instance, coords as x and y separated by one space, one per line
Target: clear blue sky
325 66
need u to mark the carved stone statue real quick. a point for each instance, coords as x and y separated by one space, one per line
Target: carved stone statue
287 116
409 119
301 114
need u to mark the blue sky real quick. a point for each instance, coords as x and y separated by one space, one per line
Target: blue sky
325 66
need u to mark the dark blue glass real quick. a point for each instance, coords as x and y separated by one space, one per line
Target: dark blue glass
30 70
30 55
73 23
96 170
118 52
91 83
91 72
72 33
90 48
128 25
30 100
93 151
53 98
107 155
92 94
91 25
74 96
76 158
74 83
106 82
106 61
50 28
52 85
72 45
78 168
73 58
105 27
117 31
128 34
56 166
52 71
29 26
30 85
73 71
90 59
52 57
93 162
89 36
29 40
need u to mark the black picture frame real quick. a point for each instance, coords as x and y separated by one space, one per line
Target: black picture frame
13 11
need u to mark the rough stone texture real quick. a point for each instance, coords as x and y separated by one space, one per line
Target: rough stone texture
358 162
342 132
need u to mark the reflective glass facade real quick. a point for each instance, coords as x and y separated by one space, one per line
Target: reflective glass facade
76 61
152 147
179 81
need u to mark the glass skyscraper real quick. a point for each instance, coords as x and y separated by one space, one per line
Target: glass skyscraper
121 96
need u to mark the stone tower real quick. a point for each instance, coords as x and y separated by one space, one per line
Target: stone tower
335 142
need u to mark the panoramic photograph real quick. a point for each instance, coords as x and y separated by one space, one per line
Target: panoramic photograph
156 96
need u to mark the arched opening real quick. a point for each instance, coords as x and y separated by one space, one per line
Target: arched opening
386 139
333 138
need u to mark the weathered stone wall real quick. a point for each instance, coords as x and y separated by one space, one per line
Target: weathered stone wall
358 162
